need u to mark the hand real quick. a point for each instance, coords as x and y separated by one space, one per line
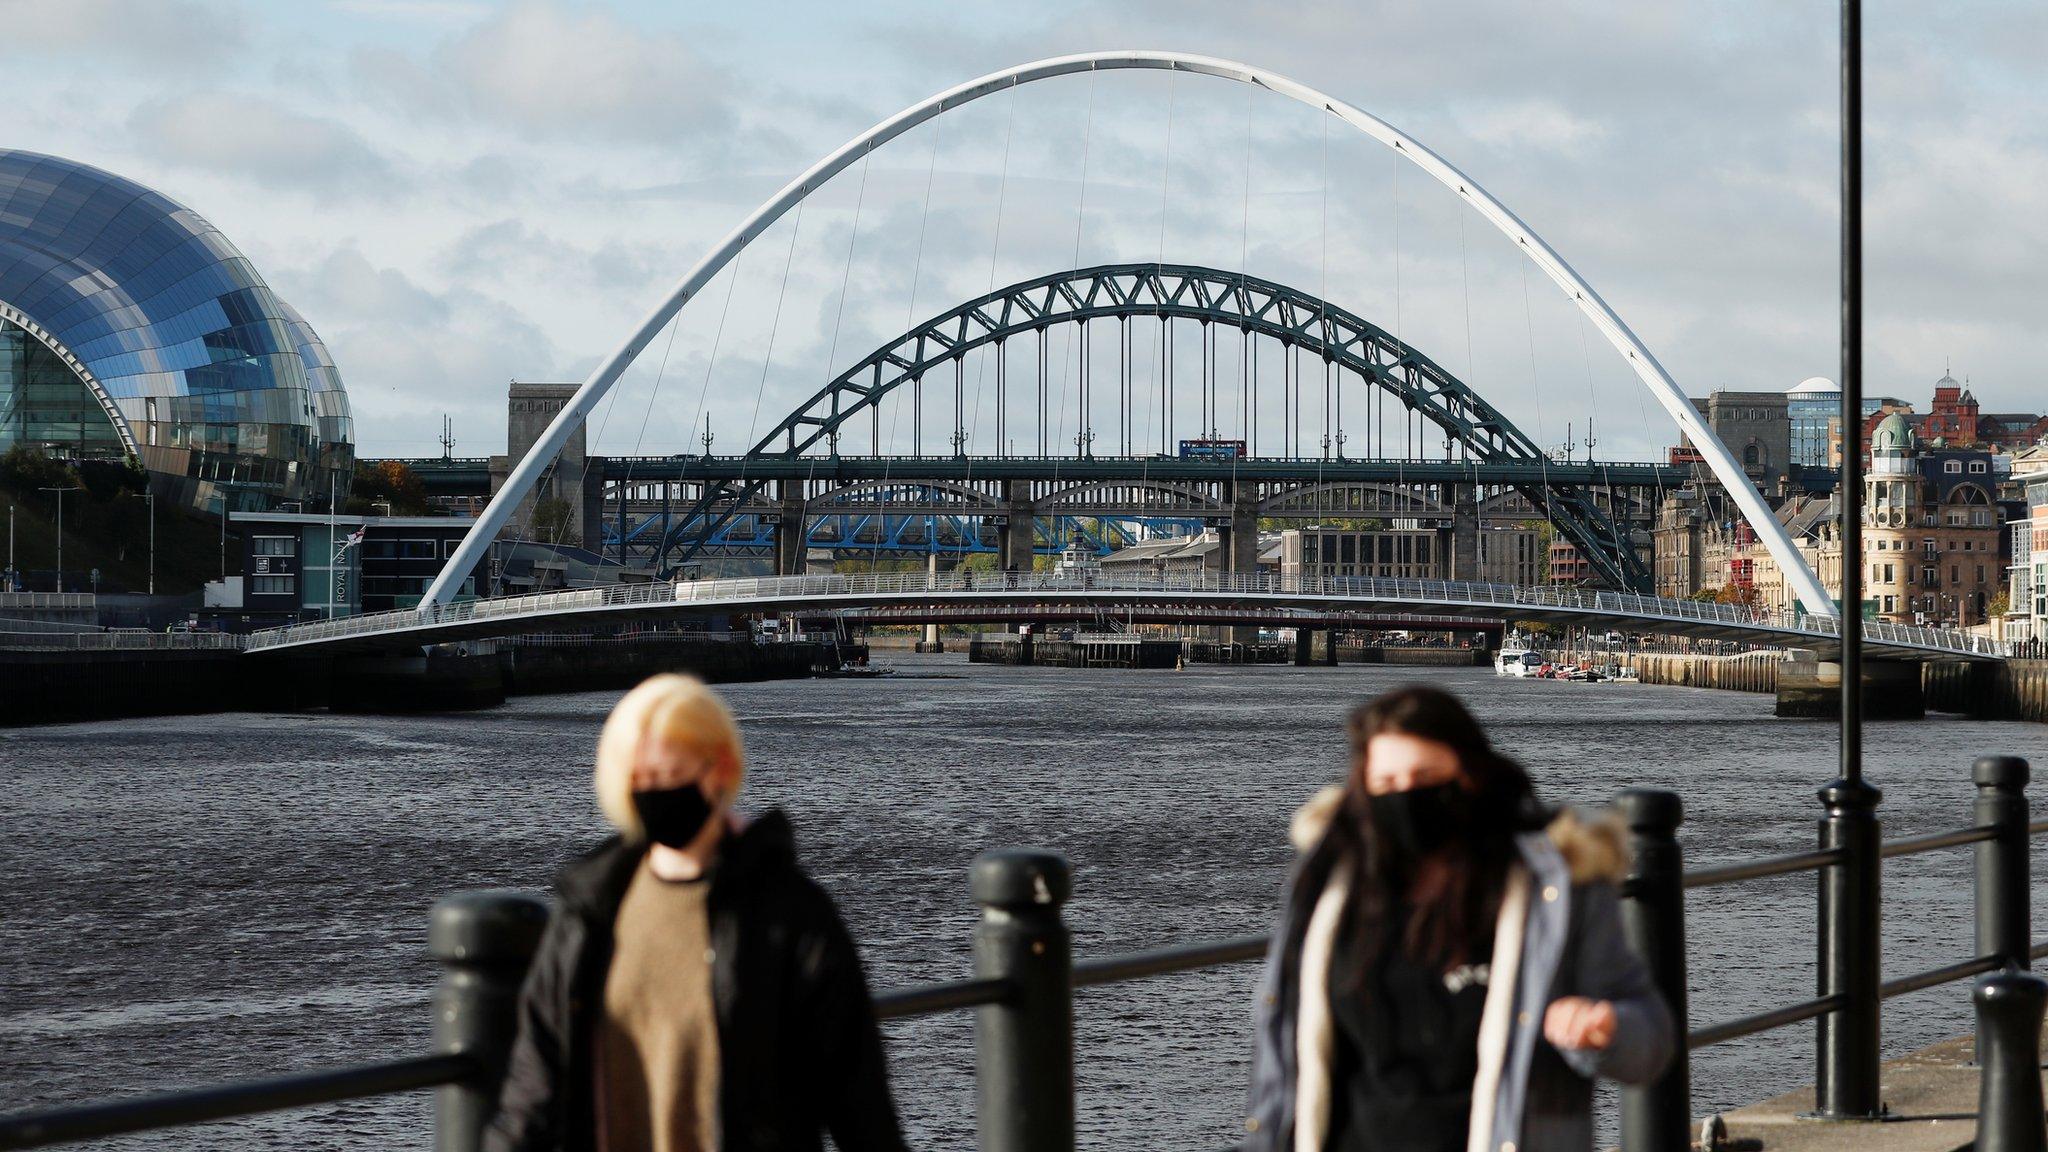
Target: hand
1575 1022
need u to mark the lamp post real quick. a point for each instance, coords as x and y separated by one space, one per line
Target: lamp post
149 496
60 491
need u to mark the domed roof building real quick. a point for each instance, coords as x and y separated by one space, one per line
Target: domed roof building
130 326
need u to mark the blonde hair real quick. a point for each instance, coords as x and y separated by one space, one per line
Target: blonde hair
674 708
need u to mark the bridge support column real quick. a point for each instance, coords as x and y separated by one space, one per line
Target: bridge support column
1464 552
1020 529
789 531
1813 688
931 641
1304 647
1241 544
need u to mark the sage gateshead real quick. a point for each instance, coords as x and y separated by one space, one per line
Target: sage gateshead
130 327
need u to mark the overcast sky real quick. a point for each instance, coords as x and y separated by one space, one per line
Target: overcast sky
459 193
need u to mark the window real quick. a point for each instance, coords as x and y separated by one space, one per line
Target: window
1979 466
1952 466
1980 573
275 546
1955 574
273 585
379 549
416 550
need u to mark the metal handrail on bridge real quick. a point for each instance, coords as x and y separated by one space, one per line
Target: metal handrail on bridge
1025 977
1072 582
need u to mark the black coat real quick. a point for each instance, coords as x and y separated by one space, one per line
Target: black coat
799 1052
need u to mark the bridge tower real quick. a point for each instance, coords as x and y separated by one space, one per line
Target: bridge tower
790 537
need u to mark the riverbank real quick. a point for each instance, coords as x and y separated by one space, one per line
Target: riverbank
54 686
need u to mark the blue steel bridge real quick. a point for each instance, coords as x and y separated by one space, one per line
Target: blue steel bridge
820 478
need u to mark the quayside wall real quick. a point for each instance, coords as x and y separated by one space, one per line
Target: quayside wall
47 686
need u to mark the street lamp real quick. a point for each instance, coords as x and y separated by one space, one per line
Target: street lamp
60 491
151 497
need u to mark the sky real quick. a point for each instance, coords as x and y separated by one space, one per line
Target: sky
457 194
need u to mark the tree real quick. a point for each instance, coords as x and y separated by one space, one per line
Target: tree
389 481
2000 604
551 520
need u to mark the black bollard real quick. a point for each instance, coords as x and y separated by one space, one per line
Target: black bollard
1846 1083
484 941
2003 868
1024 1046
1656 1117
2009 1006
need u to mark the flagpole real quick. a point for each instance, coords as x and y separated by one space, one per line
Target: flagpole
333 547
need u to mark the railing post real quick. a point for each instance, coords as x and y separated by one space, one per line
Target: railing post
1024 1045
1846 1078
483 941
2003 883
1657 1117
2009 1006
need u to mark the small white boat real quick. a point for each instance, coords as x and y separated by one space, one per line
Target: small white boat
1516 658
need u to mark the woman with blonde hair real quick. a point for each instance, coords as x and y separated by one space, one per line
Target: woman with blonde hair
694 990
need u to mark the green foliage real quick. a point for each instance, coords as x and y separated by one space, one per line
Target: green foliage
551 515
392 483
106 525
2000 604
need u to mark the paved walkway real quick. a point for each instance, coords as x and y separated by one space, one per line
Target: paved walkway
1931 1094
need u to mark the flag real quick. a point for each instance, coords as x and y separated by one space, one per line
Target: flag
356 537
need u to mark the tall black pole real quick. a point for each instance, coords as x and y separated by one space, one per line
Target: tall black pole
1851 489
1846 1079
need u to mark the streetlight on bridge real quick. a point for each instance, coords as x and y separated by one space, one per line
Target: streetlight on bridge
60 491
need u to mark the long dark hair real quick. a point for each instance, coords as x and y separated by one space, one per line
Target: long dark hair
1455 888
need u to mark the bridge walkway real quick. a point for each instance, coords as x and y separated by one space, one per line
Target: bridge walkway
1159 596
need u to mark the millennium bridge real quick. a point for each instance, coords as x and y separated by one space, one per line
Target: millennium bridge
1210 597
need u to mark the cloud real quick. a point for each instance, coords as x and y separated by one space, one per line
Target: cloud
254 138
165 35
552 73
1534 124
408 352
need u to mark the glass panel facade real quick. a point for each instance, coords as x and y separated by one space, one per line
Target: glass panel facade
44 404
222 386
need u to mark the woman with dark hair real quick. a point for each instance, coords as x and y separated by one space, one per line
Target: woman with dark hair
1450 972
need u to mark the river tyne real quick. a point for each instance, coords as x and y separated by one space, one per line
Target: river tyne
200 899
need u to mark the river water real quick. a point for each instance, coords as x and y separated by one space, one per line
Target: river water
193 900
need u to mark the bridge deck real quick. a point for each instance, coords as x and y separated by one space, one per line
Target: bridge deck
1194 597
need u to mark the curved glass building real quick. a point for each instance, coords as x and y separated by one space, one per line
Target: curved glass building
130 326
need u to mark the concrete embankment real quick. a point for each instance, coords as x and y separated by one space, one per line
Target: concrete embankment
1416 657
2011 690
1744 672
40 686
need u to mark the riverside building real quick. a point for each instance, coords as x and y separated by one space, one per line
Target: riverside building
130 327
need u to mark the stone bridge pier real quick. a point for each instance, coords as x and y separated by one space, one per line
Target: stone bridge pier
1813 688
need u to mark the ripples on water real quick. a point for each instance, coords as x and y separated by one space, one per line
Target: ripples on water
200 899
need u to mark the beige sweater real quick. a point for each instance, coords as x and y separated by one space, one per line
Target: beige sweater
657 1065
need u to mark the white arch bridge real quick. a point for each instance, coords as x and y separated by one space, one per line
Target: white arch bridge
1203 598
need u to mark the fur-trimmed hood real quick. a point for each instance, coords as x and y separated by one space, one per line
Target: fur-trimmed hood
1593 845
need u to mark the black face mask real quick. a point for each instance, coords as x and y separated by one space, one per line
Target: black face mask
1414 823
673 816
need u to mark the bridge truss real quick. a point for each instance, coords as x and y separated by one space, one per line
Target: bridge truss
1346 354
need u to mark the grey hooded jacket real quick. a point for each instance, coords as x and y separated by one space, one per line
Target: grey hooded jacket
1572 945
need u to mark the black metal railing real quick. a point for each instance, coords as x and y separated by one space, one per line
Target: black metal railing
1022 991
